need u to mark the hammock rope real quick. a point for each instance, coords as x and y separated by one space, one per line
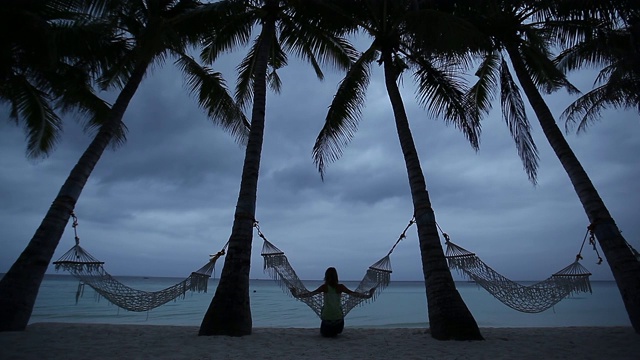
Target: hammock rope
90 271
277 266
534 298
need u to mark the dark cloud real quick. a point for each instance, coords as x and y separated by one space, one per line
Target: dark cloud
163 201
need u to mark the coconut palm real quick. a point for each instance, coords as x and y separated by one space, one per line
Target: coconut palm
39 78
614 49
285 26
526 31
155 29
393 25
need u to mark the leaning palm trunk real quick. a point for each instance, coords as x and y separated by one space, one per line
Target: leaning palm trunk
229 312
19 287
624 265
449 317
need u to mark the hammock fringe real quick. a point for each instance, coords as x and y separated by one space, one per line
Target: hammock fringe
90 271
277 266
573 279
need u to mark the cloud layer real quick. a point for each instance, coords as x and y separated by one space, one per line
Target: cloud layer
158 205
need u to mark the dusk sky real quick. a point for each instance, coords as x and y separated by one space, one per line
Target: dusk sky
164 201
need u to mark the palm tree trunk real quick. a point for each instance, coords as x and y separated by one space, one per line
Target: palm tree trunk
230 312
449 317
624 265
19 287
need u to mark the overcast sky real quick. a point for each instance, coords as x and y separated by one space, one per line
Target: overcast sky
160 204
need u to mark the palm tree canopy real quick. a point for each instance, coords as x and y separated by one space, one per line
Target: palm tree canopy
530 30
397 28
156 30
43 68
613 47
300 30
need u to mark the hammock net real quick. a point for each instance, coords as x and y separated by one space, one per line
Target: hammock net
534 298
90 271
277 266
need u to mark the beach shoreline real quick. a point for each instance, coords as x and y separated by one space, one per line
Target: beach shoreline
109 341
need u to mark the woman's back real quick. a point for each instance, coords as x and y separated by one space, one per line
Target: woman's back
332 309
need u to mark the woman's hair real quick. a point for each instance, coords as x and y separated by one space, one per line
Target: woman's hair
331 277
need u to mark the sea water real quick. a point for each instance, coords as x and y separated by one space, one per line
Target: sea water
402 304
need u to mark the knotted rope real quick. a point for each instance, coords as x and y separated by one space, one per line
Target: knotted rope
534 298
277 266
90 271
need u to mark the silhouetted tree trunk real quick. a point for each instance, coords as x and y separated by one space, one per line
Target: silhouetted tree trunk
624 265
449 317
20 285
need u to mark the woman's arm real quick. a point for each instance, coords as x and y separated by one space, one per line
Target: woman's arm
296 294
345 289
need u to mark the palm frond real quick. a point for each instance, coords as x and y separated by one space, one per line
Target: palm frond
344 112
514 113
73 91
277 60
584 55
213 96
316 45
244 85
231 29
441 91
274 81
543 71
31 107
587 109
480 96
442 32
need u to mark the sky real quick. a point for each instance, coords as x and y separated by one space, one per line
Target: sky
164 201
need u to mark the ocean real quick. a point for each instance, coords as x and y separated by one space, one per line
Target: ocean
402 304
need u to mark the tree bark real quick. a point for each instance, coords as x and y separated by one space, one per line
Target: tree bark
449 317
624 265
230 312
20 285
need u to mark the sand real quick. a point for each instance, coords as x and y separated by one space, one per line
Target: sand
103 341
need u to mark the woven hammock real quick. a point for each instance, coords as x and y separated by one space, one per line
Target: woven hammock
534 298
277 266
90 271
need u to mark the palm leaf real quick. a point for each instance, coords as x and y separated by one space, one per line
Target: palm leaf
344 113
481 95
244 85
277 60
31 107
515 116
440 93
315 45
543 71
213 96
231 28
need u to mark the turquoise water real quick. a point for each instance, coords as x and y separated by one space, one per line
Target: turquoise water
402 304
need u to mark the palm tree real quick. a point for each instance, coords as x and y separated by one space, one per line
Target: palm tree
285 26
393 25
615 49
156 29
526 31
36 78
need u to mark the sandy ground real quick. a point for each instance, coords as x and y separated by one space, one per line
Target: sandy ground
102 341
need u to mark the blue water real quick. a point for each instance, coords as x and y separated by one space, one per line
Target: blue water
402 304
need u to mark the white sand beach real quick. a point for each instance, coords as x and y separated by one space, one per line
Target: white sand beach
102 341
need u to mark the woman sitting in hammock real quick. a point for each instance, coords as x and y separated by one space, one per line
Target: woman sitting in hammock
332 316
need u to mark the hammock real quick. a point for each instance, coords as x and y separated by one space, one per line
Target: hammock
277 266
90 271
534 298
